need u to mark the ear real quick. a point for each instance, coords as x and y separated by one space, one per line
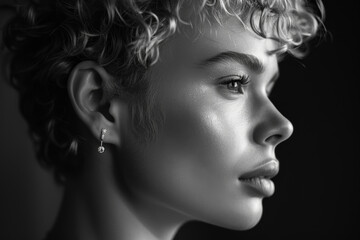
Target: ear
88 86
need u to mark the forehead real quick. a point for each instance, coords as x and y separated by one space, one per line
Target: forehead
198 42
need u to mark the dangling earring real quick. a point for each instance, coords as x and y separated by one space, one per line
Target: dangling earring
101 148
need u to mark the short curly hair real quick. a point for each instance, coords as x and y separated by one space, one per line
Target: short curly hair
48 38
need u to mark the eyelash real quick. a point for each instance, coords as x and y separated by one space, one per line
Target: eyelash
242 80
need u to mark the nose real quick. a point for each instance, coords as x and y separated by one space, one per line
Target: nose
273 128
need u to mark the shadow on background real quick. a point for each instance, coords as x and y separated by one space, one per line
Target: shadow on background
318 185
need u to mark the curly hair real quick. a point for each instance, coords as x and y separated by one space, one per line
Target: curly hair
48 38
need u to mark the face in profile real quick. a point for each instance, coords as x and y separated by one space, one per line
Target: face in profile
215 153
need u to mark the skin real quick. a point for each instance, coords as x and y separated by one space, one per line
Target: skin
213 134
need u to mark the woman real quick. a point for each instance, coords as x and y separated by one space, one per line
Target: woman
155 113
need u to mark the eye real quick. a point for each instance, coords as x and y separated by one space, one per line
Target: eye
236 83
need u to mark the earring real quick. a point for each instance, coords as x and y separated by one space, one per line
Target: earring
101 148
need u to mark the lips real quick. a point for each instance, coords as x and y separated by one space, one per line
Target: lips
268 170
258 179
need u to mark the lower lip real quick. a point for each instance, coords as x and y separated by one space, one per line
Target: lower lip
262 186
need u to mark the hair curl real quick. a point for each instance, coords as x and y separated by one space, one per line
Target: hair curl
48 38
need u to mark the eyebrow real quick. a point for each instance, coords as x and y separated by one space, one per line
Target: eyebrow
248 60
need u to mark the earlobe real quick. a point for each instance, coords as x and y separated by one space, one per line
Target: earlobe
91 101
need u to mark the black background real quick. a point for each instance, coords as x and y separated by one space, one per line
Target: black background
317 190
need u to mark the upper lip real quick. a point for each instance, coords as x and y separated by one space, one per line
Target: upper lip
267 169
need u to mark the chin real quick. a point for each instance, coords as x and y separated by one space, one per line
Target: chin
249 219
240 219
249 223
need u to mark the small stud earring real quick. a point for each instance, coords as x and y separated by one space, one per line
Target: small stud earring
101 148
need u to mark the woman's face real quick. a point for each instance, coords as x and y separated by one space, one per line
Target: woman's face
221 129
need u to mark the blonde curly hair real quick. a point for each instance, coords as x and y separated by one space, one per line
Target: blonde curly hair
48 38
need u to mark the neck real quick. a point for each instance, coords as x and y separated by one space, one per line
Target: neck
94 208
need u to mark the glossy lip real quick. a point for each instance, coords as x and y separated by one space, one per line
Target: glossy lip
268 169
258 180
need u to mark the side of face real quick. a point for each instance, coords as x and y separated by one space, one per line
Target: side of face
215 130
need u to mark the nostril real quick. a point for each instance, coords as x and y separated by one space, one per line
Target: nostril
274 139
272 130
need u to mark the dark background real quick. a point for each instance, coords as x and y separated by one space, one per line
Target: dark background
317 190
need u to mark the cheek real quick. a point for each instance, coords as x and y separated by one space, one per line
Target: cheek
196 128
211 143
194 165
